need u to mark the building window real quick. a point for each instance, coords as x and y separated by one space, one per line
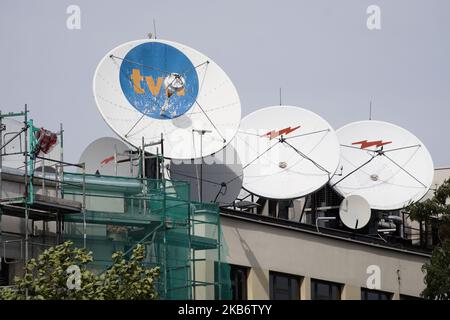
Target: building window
238 276
325 290
236 287
273 208
4 273
368 294
283 209
284 286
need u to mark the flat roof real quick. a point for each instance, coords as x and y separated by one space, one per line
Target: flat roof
335 234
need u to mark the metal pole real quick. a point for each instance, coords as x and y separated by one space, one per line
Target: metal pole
115 160
219 257
61 154
201 168
201 133
165 243
43 177
165 259
189 274
157 163
194 260
61 142
84 205
61 158
130 155
144 178
280 96
1 158
1 167
26 189
143 159
162 156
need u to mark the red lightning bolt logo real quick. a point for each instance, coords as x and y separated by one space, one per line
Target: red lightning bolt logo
366 144
105 161
274 133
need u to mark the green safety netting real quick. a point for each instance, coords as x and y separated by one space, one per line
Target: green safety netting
182 237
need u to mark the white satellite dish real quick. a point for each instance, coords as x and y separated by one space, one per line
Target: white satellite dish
218 178
384 163
12 153
146 88
354 212
108 156
286 152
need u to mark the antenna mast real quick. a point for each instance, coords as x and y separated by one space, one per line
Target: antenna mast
280 96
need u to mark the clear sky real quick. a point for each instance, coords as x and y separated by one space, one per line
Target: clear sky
320 52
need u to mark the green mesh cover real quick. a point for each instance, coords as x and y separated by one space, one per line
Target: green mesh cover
182 237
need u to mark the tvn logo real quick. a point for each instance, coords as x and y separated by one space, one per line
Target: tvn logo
154 87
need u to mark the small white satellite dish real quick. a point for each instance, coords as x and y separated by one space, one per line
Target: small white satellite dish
108 156
286 152
150 87
384 163
218 178
354 212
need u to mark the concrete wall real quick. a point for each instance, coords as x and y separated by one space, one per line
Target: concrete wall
440 175
267 248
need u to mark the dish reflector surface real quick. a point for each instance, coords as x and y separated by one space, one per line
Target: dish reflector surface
102 156
286 152
384 163
222 176
147 87
354 212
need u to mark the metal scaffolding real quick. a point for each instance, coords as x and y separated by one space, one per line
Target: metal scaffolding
108 213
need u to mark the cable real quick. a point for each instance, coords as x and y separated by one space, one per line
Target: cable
195 67
358 148
224 140
402 148
307 134
405 171
373 157
135 124
306 157
254 161
140 64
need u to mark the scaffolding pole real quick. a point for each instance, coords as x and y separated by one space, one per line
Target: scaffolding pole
26 191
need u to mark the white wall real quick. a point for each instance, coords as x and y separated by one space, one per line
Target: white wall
270 248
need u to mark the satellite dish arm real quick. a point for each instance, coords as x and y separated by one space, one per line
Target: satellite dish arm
402 148
347 175
222 185
404 170
212 123
307 158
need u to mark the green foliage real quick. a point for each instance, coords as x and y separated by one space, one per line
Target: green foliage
437 276
436 211
47 278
